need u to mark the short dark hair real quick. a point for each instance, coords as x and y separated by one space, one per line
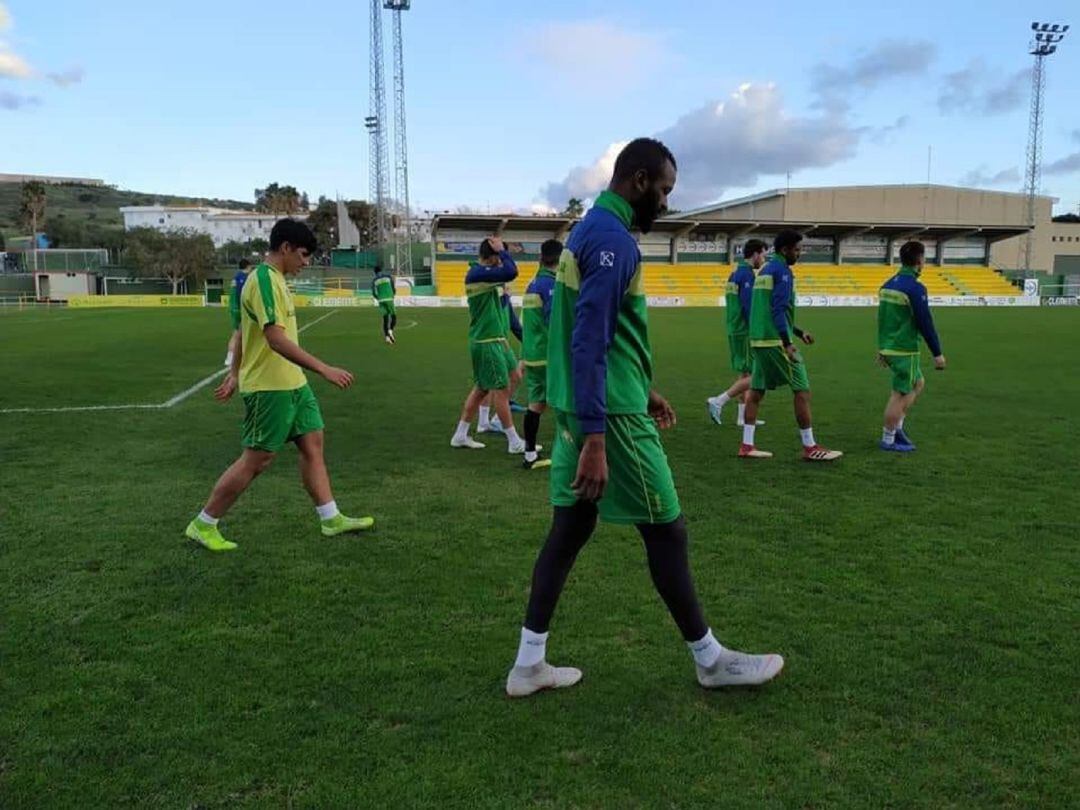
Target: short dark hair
911 252
753 246
293 231
243 264
787 238
550 251
642 153
378 269
486 250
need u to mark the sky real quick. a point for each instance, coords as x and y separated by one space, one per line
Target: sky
523 105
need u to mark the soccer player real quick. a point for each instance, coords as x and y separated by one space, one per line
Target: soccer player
903 315
776 360
279 406
608 460
234 308
740 287
488 346
536 314
382 289
511 326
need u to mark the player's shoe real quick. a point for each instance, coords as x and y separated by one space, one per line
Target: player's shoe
516 408
525 681
341 524
819 453
749 451
734 668
494 426
537 463
518 449
896 447
389 340
468 442
715 411
390 334
903 438
207 536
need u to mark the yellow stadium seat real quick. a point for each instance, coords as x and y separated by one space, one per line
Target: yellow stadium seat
704 283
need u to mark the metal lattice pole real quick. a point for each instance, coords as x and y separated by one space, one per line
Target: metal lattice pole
378 159
402 234
1043 45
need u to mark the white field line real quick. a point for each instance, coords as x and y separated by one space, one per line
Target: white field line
176 400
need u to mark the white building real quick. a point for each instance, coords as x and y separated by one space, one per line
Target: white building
219 224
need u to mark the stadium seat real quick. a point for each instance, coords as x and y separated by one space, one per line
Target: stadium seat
704 283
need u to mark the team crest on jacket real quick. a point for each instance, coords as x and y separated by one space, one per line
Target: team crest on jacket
607 258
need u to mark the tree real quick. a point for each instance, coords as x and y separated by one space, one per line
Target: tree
362 213
32 206
574 208
175 255
279 200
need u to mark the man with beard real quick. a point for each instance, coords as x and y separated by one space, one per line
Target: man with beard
777 361
608 460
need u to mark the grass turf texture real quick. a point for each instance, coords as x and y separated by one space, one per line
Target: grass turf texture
926 604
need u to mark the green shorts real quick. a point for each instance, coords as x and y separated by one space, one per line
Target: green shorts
490 371
234 318
772 368
272 418
905 371
640 488
739 346
510 357
536 380
387 307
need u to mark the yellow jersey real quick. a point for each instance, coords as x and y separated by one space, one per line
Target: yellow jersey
265 300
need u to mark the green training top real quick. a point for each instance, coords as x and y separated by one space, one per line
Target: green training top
384 288
772 304
487 321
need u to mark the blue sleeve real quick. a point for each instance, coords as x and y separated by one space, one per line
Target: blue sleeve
373 280
545 298
507 271
239 280
781 295
515 324
746 295
920 307
595 314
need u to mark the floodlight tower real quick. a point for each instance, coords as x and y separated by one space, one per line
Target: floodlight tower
378 160
1044 44
402 234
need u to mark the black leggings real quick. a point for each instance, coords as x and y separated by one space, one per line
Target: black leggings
666 545
388 323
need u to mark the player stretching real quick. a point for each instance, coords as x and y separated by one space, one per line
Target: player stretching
488 346
740 288
608 459
903 315
776 359
234 308
382 289
536 314
279 406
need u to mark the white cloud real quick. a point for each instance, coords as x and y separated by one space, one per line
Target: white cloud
728 143
885 61
982 178
977 90
13 66
66 78
5 18
580 54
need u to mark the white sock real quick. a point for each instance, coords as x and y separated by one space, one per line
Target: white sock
748 434
485 415
807 437
512 435
207 518
531 649
705 650
888 436
723 400
742 413
900 424
531 455
462 431
327 510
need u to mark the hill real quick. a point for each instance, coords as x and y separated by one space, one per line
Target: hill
73 210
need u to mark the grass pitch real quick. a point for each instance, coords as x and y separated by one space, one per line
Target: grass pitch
927 605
